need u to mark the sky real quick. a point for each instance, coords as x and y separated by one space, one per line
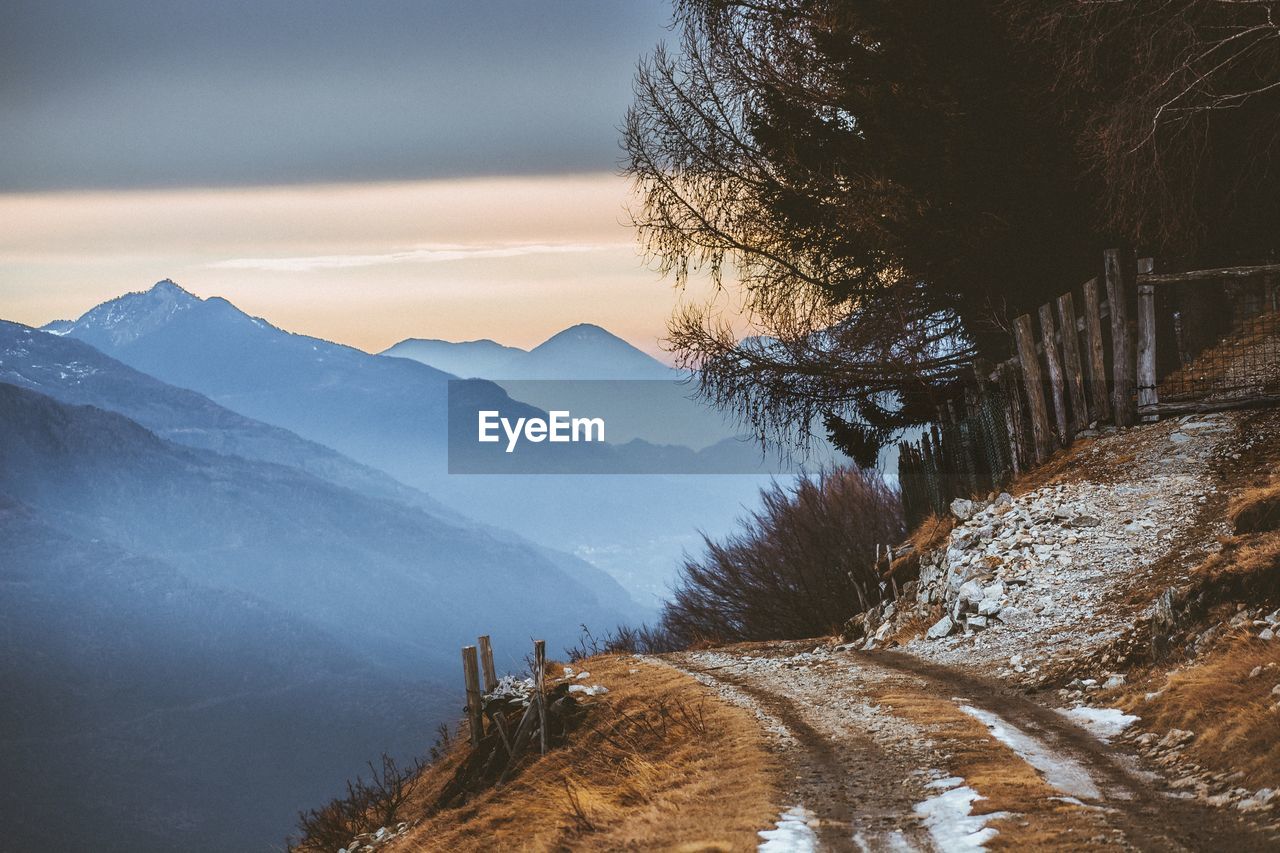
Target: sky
362 171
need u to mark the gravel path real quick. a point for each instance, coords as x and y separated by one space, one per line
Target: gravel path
863 766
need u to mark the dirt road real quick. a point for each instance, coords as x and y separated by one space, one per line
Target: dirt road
883 751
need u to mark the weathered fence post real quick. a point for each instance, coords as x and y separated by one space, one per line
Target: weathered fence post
1123 373
1071 362
486 664
1034 385
1096 360
539 675
1147 395
471 676
1013 421
1048 336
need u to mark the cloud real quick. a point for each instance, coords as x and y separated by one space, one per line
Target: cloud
430 254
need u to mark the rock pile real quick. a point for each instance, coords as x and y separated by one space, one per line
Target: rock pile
367 842
1221 790
1040 574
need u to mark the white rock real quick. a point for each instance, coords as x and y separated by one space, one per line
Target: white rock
972 593
941 628
989 607
1266 634
962 509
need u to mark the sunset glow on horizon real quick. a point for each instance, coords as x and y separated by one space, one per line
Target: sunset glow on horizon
513 259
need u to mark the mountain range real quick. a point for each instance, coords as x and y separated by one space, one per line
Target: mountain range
206 615
579 352
390 413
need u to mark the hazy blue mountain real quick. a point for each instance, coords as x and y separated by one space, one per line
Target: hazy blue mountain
391 413
191 635
583 351
382 411
404 586
483 359
141 710
71 371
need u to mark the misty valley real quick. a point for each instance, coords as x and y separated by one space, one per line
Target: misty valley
235 569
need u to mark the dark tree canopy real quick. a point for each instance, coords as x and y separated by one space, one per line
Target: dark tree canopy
881 179
1175 108
882 184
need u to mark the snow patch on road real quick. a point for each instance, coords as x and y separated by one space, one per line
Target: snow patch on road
1102 723
949 819
793 833
1063 773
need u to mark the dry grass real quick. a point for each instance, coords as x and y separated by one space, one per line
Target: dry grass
1257 509
1064 466
1246 566
931 533
1007 783
658 765
1229 711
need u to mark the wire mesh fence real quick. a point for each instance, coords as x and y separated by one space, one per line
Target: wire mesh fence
1220 341
969 455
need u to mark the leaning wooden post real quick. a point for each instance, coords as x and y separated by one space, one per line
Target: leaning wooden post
1071 362
1056 384
1147 395
486 664
1123 373
1096 358
471 675
1033 384
539 674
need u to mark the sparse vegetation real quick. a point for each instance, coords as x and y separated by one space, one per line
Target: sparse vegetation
1256 510
645 639
1226 704
368 806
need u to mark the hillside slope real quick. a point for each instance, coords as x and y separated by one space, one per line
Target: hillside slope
1088 662
191 636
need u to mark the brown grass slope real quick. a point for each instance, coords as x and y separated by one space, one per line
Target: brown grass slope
657 765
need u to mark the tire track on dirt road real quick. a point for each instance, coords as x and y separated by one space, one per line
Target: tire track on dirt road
862 758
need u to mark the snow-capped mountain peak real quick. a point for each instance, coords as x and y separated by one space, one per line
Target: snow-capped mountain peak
127 318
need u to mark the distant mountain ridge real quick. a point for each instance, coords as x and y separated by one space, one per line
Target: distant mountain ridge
392 414
584 351
72 371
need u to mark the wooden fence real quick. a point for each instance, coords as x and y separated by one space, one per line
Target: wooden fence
1101 354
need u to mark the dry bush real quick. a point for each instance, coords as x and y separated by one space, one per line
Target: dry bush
656 764
1229 711
625 640
799 567
367 807
1256 510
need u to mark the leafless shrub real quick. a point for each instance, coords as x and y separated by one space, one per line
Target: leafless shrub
366 807
799 568
624 640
